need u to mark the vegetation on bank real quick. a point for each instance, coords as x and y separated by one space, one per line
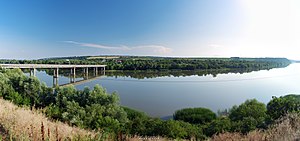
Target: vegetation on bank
287 128
164 63
99 111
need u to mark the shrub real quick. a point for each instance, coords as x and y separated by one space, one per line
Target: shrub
248 115
195 115
219 125
279 107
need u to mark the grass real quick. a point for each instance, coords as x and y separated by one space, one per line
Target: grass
23 124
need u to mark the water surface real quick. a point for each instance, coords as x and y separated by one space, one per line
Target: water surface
161 93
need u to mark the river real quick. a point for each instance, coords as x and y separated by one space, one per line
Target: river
160 94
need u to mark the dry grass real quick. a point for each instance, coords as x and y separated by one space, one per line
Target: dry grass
137 138
286 129
252 136
23 124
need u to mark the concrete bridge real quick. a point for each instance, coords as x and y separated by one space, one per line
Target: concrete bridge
56 68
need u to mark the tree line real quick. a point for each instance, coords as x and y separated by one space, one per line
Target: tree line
165 63
96 109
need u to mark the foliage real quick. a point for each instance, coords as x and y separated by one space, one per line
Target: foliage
180 129
284 129
164 63
137 122
92 109
219 125
88 108
195 115
279 107
249 115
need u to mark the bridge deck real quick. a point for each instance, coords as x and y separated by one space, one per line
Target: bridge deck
36 66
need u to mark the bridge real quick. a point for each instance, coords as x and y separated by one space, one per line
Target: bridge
56 68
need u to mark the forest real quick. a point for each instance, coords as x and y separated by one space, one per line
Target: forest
98 110
163 63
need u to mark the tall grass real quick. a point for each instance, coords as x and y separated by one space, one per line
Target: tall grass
23 124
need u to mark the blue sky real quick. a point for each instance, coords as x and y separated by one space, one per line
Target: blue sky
210 28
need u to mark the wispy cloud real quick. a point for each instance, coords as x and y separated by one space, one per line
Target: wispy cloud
156 49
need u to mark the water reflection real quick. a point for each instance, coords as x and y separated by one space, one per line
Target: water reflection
151 74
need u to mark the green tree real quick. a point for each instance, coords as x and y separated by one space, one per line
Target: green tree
173 129
195 115
5 87
137 122
248 115
219 125
279 107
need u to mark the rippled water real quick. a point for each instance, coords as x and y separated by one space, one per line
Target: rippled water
160 95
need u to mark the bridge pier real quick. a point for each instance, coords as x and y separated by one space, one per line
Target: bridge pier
55 81
55 73
103 70
72 75
86 73
32 72
55 77
95 71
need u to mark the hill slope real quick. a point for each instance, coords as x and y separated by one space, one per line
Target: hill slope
24 124
285 129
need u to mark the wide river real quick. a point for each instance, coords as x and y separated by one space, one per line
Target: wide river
161 94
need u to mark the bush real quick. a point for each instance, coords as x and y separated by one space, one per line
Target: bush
173 129
248 115
195 115
219 125
279 107
137 122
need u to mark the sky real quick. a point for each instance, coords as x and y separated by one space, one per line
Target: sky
35 29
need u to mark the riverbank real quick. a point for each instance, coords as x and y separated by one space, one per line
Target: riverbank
18 123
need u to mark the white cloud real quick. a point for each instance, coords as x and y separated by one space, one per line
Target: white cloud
142 50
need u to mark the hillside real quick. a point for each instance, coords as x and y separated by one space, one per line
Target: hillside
285 129
24 124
